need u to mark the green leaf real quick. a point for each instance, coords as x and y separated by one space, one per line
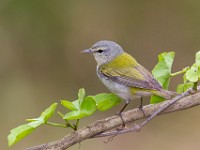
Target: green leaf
39 119
193 74
69 105
162 73
74 115
45 115
184 87
197 59
76 104
22 131
106 101
184 78
49 112
156 99
19 133
37 123
87 108
81 95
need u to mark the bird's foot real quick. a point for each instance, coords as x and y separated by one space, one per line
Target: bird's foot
123 122
140 107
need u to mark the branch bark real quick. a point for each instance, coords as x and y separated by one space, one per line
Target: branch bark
98 128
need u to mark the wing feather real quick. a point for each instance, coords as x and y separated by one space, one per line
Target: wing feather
133 76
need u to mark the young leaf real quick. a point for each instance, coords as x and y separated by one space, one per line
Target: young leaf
87 108
81 95
162 73
49 112
19 133
106 101
193 74
22 131
69 105
36 124
183 87
74 115
76 104
39 119
197 58
156 99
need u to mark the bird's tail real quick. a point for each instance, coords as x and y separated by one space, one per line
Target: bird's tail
166 93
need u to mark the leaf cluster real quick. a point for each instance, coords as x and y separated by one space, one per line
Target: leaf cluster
162 73
82 107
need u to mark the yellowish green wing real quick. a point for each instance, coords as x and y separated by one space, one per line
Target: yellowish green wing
134 76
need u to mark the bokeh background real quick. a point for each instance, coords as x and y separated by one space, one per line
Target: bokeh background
40 63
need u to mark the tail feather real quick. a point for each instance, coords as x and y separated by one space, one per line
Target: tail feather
166 93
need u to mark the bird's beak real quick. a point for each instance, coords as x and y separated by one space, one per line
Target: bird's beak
87 51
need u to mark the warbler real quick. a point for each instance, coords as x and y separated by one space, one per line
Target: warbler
122 74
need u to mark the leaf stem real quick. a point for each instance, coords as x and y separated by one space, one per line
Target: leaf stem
68 124
56 124
60 114
76 125
179 72
195 86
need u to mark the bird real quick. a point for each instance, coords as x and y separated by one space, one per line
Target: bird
122 74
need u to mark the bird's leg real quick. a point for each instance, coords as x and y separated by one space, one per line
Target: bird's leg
123 108
120 114
141 105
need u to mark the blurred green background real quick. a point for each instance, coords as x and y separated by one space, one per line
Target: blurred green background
40 63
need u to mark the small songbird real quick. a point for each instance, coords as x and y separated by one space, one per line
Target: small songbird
122 74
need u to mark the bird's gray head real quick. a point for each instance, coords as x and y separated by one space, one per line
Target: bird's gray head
104 51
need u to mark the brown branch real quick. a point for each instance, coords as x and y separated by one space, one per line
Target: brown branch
99 128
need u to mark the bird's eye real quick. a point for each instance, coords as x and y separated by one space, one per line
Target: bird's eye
100 51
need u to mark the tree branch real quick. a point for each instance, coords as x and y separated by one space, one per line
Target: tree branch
99 128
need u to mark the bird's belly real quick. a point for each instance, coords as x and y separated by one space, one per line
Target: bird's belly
118 89
123 91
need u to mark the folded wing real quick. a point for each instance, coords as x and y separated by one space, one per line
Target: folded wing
133 76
